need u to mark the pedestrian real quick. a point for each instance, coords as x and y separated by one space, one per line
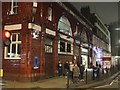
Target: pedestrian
98 72
76 73
71 69
66 68
106 69
59 68
94 73
82 72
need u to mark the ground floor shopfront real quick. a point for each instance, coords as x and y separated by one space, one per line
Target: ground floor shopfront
38 54
35 50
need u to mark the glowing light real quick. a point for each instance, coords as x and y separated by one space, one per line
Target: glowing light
7 34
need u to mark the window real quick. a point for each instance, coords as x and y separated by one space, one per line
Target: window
64 26
68 47
48 45
13 51
14 7
62 46
50 13
83 36
65 43
65 47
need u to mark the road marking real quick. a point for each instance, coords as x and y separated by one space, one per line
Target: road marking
111 82
106 85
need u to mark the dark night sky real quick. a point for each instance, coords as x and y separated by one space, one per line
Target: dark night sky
107 11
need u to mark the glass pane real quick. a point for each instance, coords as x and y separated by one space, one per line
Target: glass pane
19 49
14 37
15 3
68 47
8 51
13 50
62 47
19 37
64 25
15 10
50 13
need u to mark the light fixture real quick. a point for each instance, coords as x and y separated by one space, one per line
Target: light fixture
117 28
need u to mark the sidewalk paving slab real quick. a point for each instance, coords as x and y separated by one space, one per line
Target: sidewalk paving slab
57 82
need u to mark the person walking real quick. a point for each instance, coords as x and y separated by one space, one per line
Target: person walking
82 72
71 70
107 72
59 68
98 72
66 68
76 73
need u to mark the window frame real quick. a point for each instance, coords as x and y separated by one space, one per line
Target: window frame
66 47
14 7
16 43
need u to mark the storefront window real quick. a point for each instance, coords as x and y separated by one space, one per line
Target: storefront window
14 49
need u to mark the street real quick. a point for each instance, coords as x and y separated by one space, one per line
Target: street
115 84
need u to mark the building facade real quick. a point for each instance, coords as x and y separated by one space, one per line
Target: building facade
42 34
101 41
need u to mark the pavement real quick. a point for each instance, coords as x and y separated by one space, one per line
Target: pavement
56 82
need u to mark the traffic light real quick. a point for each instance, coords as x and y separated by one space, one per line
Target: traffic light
6 38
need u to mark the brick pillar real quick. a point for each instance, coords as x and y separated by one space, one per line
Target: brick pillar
24 52
42 52
55 52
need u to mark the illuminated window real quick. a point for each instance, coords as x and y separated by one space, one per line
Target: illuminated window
14 7
13 51
50 13
64 26
64 45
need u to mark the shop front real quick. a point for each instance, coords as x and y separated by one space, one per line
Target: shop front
84 57
106 62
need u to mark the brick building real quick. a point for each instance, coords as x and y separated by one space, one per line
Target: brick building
43 34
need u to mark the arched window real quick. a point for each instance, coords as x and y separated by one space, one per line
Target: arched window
64 26
65 47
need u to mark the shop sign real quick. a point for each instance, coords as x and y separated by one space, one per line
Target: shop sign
107 64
